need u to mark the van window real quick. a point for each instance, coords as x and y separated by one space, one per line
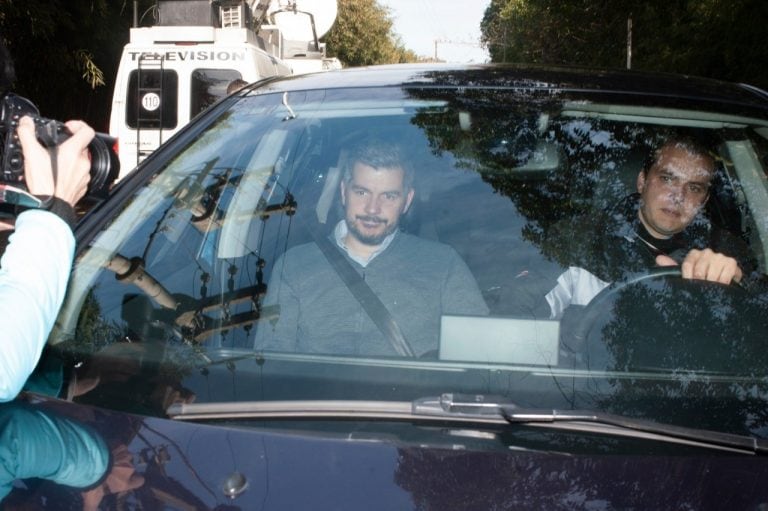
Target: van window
152 99
208 86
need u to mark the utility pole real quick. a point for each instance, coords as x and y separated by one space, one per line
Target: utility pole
629 41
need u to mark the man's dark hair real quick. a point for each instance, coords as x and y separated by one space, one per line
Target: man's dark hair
235 85
685 142
379 155
7 72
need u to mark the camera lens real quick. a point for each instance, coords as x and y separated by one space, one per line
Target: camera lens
105 166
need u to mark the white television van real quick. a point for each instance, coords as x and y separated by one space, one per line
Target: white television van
175 69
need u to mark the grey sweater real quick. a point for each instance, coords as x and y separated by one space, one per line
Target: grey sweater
416 279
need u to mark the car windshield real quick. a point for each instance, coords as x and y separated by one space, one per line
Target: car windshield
506 252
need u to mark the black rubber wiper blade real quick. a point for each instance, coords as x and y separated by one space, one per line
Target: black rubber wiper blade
474 409
484 408
517 415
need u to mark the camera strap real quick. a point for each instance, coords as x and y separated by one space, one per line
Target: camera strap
50 135
53 154
46 202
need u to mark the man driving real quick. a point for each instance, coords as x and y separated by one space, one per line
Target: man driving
660 225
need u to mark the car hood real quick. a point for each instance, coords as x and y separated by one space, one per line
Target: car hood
342 465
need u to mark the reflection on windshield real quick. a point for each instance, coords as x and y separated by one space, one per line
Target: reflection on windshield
45 444
501 211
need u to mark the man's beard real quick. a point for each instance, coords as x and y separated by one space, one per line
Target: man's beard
373 239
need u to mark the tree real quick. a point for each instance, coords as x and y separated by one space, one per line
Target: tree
362 35
66 53
713 38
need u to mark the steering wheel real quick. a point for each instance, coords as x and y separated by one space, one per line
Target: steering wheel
691 323
602 300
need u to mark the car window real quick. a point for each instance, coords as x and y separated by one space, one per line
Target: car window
180 296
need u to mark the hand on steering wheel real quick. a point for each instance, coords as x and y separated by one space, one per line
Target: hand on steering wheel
706 265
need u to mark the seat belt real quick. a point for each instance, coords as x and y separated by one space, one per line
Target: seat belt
371 303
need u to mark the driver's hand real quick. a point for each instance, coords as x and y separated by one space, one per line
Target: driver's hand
706 265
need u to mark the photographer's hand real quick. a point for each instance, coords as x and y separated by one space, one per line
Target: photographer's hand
73 162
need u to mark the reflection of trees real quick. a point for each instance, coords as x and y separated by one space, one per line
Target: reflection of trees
115 365
705 344
502 137
677 332
137 377
93 331
449 479
135 356
510 121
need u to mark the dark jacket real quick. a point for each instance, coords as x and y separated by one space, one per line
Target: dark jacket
614 245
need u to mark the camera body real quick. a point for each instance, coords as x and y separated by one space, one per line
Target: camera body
105 165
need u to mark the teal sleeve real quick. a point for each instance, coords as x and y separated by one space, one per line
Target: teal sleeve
42 444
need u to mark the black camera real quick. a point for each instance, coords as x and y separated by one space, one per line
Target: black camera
105 165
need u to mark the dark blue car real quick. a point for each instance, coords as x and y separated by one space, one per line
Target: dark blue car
539 357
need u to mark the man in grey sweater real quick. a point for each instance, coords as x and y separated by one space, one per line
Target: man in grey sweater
417 280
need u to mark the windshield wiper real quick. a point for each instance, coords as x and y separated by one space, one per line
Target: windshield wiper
466 405
475 409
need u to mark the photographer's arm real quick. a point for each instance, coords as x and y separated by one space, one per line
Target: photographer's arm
73 163
43 444
35 267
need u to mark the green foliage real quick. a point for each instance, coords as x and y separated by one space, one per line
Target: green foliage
91 72
362 35
66 53
714 38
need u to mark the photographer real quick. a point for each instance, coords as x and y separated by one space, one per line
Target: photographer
36 264
35 267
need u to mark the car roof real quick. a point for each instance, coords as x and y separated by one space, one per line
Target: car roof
659 89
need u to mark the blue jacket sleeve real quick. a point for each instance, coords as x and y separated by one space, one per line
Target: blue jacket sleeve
34 272
42 444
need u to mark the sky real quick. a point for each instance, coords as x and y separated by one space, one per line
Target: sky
455 24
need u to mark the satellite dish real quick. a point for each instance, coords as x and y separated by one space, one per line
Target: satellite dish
292 17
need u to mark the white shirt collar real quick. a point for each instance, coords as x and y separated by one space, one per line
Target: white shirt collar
340 232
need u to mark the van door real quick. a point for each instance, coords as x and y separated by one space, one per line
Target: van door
146 112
